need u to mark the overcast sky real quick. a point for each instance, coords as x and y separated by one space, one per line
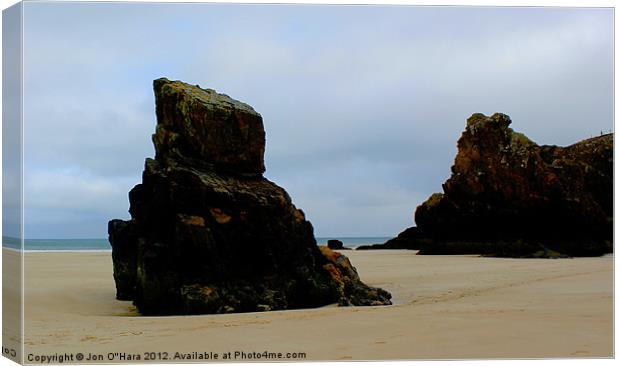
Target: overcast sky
362 106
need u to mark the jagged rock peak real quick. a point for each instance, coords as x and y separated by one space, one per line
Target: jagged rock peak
204 128
500 120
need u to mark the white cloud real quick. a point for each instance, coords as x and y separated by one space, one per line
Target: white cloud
362 105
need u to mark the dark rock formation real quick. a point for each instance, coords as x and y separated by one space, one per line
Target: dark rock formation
124 240
209 234
336 245
410 238
508 196
351 290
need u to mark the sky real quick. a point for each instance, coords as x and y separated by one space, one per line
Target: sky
362 105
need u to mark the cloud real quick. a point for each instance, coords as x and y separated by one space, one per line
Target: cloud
72 203
362 105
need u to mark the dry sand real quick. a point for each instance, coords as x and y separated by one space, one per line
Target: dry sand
446 307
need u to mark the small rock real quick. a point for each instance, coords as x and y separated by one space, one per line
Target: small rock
335 244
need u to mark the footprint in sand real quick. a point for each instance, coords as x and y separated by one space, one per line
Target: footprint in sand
124 334
580 353
90 338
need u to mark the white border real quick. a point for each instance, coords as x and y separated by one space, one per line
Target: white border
505 3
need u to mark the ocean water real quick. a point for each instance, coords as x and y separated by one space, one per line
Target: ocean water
104 245
58 244
354 242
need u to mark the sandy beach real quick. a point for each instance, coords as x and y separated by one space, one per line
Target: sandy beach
446 307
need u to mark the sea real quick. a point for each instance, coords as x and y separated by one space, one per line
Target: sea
79 245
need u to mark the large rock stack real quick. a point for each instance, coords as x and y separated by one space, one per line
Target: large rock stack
210 234
508 196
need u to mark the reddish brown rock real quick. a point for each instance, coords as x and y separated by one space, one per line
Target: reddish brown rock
509 196
351 289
